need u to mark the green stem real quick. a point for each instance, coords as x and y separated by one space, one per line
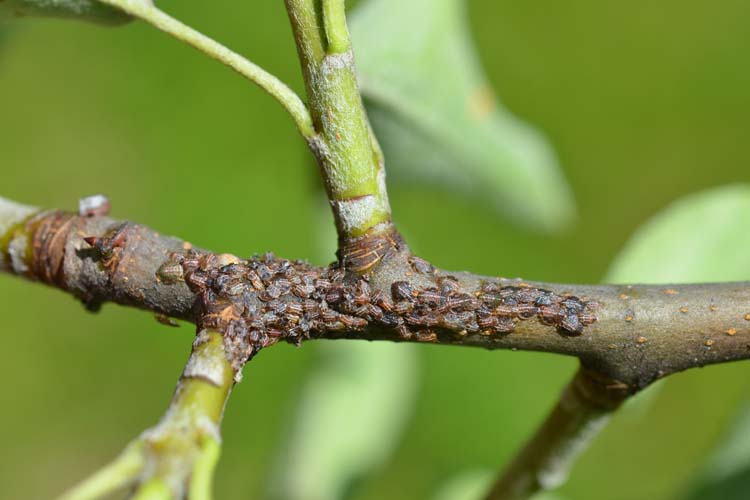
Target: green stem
122 471
145 11
334 18
350 160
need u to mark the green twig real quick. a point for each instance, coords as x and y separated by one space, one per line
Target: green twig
334 18
146 11
350 160
121 472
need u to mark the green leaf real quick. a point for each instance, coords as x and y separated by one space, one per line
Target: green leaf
703 237
87 10
726 474
438 119
354 404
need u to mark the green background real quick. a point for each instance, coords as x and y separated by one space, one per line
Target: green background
643 101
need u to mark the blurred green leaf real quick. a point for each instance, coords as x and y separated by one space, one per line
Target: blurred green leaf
702 237
471 485
474 485
726 474
87 10
438 119
351 413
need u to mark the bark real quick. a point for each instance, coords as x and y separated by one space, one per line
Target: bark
632 334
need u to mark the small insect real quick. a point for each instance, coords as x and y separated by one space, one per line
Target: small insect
426 337
448 285
322 284
283 285
525 311
294 308
361 311
403 332
571 324
430 296
486 321
430 320
450 321
352 322
197 279
309 305
328 315
302 291
165 320
106 246
273 291
170 272
463 302
401 290
93 206
391 320
421 266
504 325
361 293
490 288
374 311
254 279
549 314
544 299
336 274
335 293
379 298
264 273
233 287
403 307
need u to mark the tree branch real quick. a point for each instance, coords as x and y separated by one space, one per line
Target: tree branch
632 334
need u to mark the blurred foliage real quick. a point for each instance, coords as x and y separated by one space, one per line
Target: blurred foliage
701 237
88 10
439 120
644 103
726 474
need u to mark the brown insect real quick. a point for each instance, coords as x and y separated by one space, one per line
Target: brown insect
379 298
430 296
448 285
421 266
463 302
401 290
353 322
170 272
328 315
294 308
302 291
486 321
504 325
197 279
254 279
374 311
403 307
571 324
